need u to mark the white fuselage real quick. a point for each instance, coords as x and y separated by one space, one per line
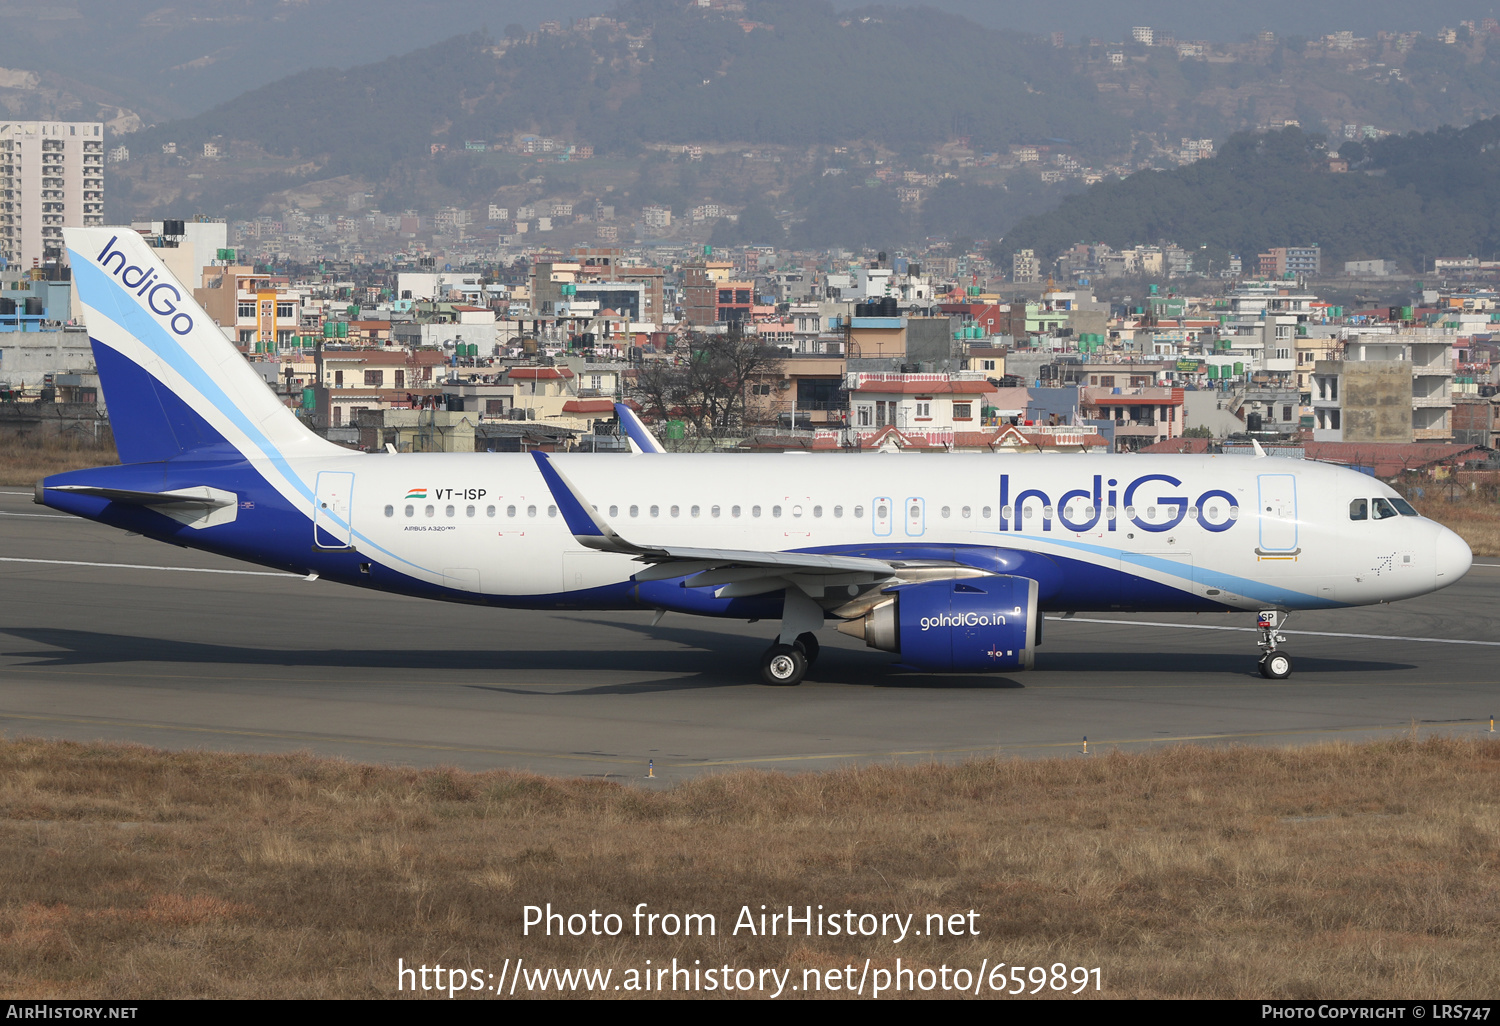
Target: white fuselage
1234 530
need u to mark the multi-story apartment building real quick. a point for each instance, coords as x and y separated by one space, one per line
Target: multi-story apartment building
51 177
1291 261
1386 388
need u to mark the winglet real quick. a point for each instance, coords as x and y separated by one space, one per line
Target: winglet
641 439
1260 453
580 517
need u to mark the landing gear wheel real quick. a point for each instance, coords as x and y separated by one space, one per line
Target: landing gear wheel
1276 666
783 666
808 643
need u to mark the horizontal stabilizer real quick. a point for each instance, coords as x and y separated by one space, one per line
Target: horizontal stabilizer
197 507
188 498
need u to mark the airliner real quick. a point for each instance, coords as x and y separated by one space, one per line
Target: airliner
950 562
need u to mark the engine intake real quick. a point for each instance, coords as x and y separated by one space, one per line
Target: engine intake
986 623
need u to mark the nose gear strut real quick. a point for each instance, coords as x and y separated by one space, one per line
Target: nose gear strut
1274 664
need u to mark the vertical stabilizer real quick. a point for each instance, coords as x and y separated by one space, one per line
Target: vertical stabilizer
174 385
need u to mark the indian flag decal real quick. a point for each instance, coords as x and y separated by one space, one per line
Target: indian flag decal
417 493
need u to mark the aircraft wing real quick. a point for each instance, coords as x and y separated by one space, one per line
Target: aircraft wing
739 571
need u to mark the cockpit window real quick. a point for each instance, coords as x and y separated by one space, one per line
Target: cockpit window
1359 509
1404 508
1384 509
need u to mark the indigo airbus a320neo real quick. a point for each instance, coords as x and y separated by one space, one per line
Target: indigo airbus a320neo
949 561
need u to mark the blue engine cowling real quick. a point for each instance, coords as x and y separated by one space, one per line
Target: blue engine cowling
977 623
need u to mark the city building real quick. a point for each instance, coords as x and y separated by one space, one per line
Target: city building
53 178
1386 388
1291 262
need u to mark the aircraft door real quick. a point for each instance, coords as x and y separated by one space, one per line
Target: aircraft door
1278 515
916 516
333 506
881 513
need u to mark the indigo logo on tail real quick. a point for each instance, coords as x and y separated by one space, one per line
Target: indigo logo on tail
161 297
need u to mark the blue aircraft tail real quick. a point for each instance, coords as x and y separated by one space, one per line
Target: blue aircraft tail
173 383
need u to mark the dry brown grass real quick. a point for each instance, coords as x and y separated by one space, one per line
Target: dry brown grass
26 461
1474 515
1363 870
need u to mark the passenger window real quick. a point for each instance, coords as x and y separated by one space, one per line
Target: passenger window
390 511
947 512
510 511
656 511
734 511
880 511
430 510
817 511
775 511
448 511
531 511
469 511
796 511
552 511
1359 509
1007 512
755 511
410 510
985 513
695 510
635 511
859 512
1384 509
676 510
838 512
489 511
1404 508
713 511
966 512
614 511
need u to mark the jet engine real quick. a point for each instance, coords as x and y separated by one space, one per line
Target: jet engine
977 623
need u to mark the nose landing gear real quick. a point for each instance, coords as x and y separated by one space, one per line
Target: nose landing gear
1274 664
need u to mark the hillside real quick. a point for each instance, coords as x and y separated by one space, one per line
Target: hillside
1412 197
812 120
659 72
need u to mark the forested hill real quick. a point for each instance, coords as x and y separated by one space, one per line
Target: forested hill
787 72
1412 197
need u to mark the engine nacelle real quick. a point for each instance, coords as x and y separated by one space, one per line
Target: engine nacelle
978 623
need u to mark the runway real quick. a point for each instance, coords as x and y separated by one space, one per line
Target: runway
108 636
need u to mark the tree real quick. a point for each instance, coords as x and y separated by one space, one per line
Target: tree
706 385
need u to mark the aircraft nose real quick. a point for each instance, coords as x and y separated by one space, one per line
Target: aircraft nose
1452 558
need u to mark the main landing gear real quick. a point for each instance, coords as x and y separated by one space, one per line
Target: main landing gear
785 663
1274 664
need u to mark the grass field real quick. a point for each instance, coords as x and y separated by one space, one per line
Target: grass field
25 462
1475 516
1348 870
